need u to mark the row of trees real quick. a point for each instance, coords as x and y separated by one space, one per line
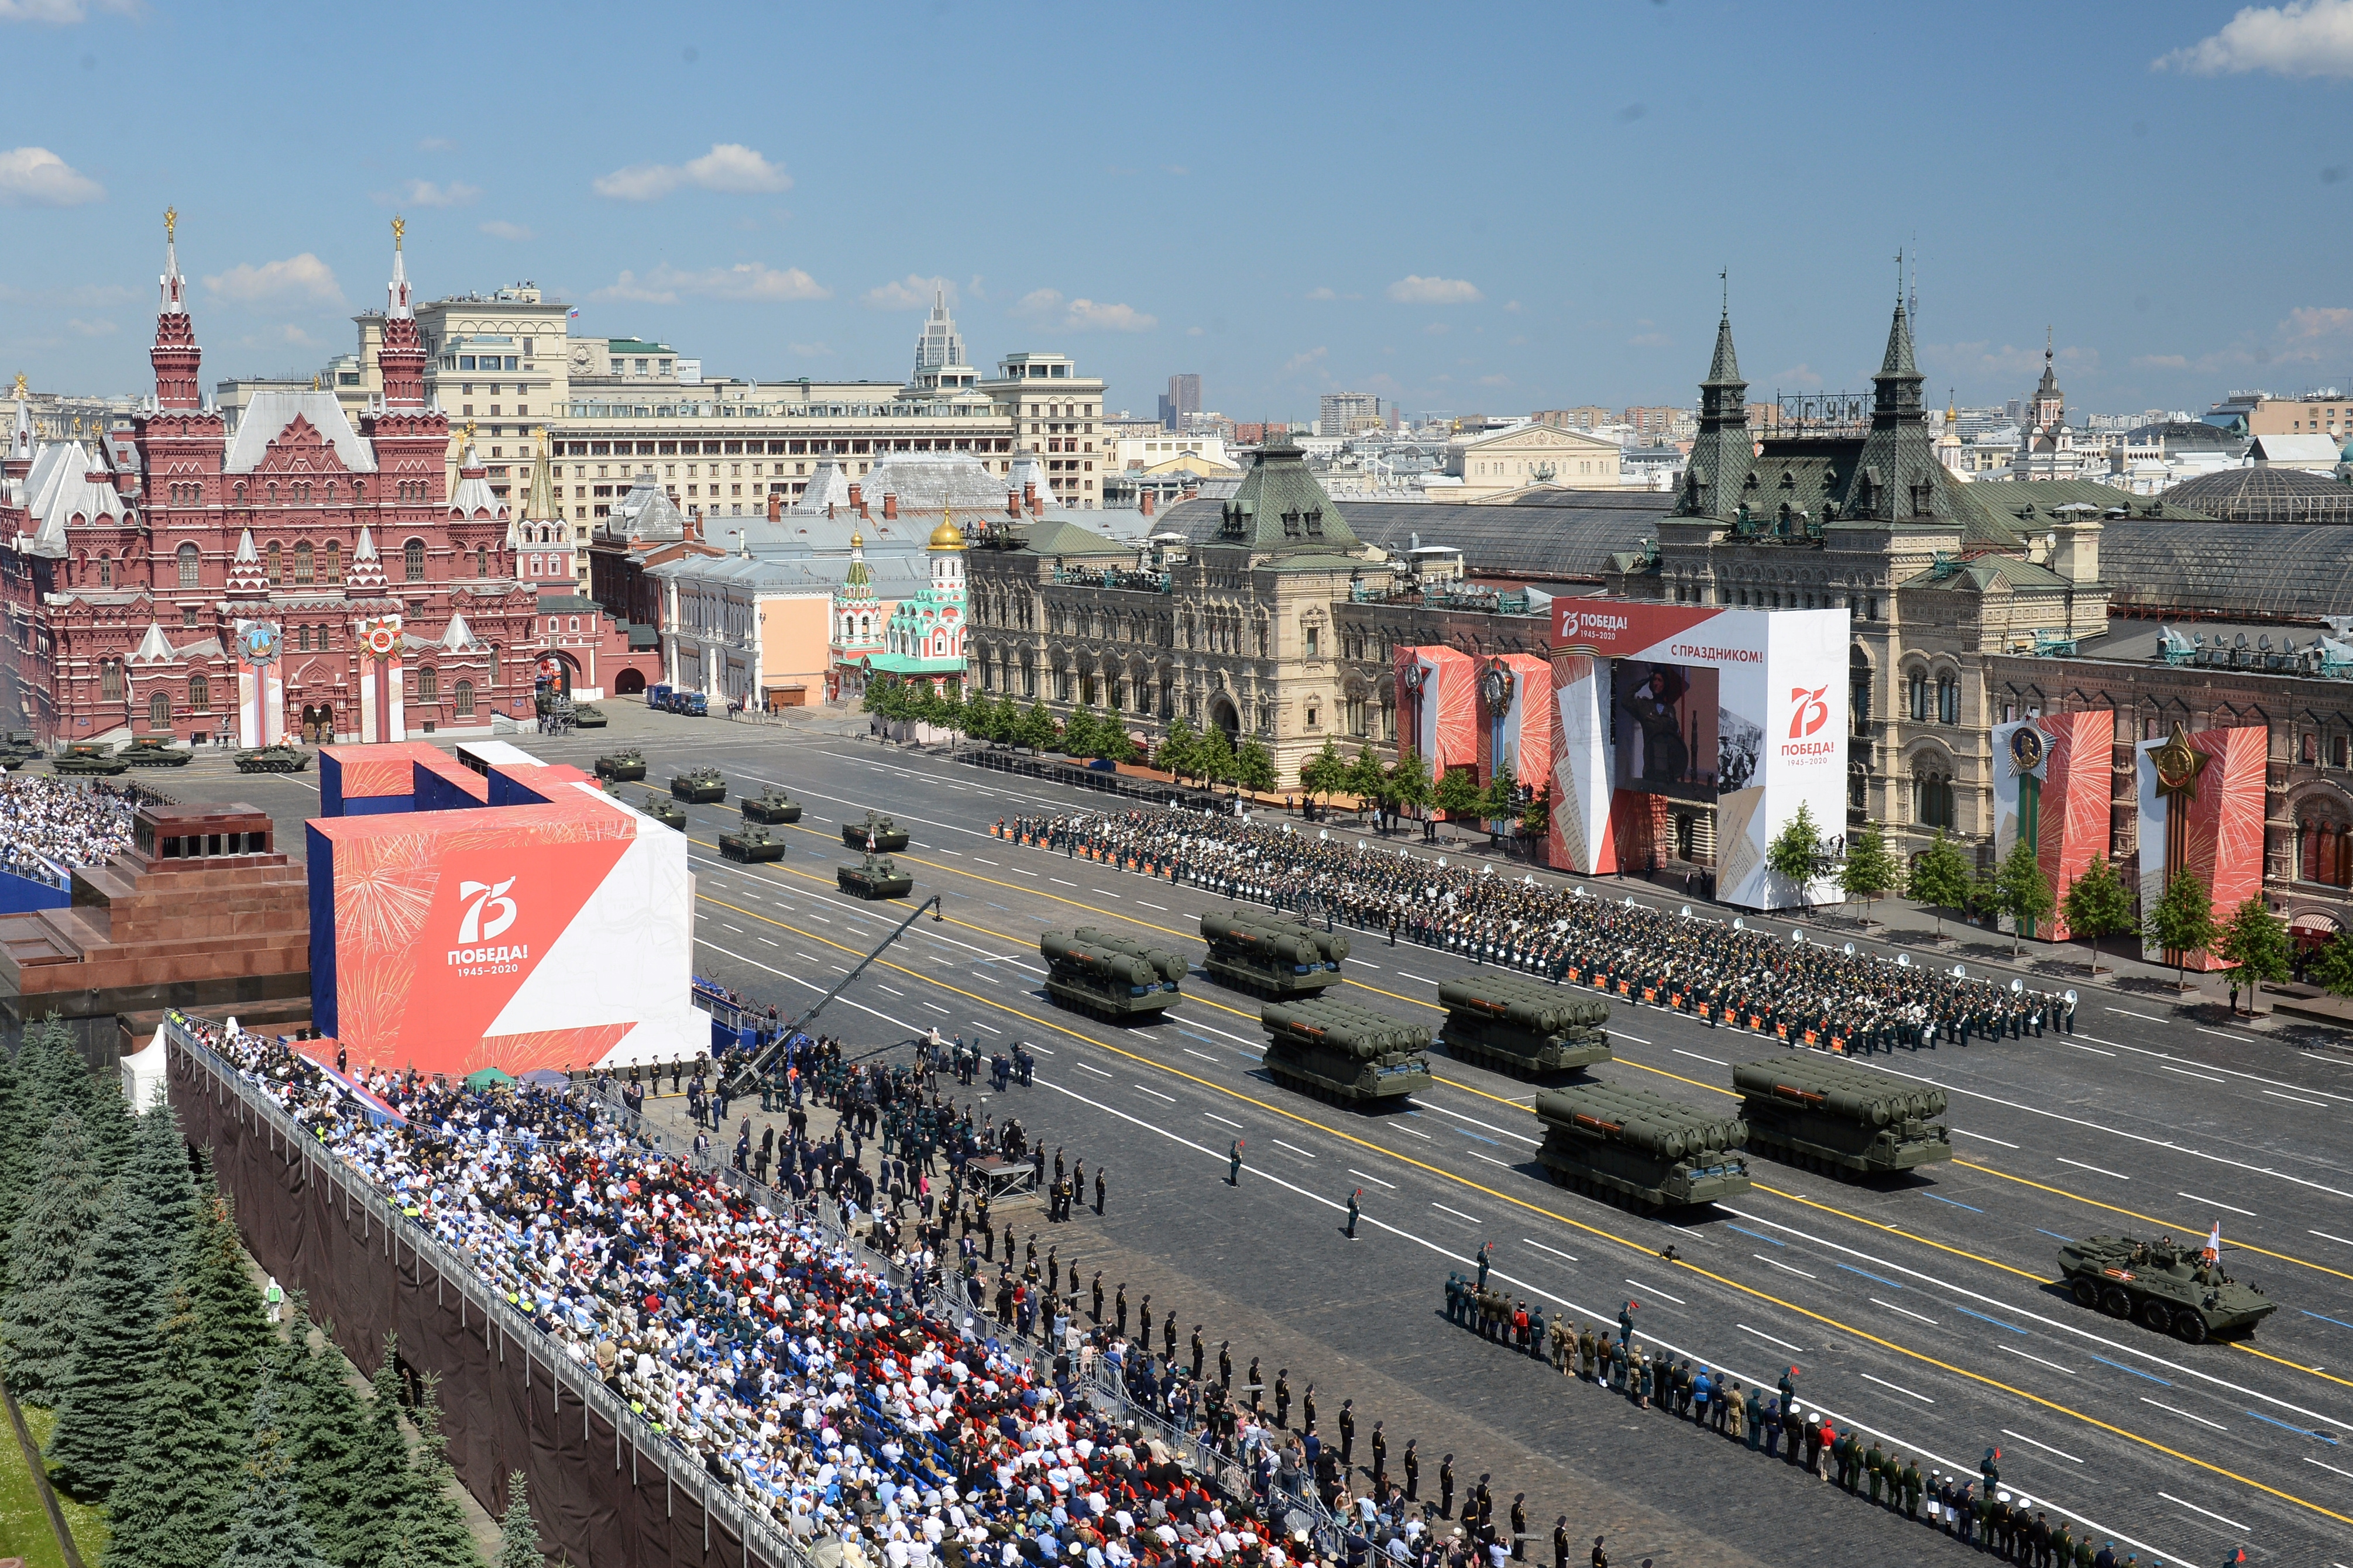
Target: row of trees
129 1310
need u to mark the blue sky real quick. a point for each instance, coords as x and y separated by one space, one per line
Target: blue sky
1472 208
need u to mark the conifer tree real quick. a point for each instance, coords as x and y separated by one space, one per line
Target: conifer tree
56 1072
518 1536
326 1438
179 1485
20 1146
385 1482
232 1332
433 1532
117 1338
268 1529
156 1187
59 1218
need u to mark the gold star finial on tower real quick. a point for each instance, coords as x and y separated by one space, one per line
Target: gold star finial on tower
399 228
171 224
20 386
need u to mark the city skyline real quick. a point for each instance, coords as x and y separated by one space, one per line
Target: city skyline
779 249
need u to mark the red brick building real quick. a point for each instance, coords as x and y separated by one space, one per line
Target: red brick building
294 576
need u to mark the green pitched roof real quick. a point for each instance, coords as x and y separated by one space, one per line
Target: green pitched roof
1051 536
1279 510
1982 573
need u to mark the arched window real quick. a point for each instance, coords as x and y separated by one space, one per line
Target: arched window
200 694
302 640
302 563
105 570
1948 699
412 557
187 556
277 564
429 685
462 697
335 561
481 562
159 711
1932 795
110 680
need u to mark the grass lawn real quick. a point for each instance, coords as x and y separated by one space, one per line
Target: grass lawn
24 1524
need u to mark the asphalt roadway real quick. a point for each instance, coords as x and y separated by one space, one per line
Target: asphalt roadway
1925 1313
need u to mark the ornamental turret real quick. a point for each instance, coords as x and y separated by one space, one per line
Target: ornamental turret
175 355
401 358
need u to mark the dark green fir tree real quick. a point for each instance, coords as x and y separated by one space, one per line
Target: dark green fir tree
231 1329
156 1187
386 1483
518 1536
433 1532
20 1146
181 1483
268 1529
56 1070
326 1433
59 1216
117 1339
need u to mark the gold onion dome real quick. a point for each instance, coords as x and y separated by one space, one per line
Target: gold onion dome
947 536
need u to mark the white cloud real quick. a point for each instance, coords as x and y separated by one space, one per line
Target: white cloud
1192 332
1415 289
80 328
1648 341
430 194
500 228
729 166
1083 315
1323 293
912 292
59 13
1300 362
436 144
302 279
2303 38
746 281
35 176
1495 381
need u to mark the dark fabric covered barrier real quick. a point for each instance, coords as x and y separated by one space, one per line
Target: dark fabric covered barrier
599 1498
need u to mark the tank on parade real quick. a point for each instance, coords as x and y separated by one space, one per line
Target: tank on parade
1338 1051
876 833
85 758
1109 976
19 747
751 846
155 751
667 812
1632 1146
700 786
874 876
1521 1025
771 806
2168 1287
622 767
1832 1116
1267 954
282 758
584 717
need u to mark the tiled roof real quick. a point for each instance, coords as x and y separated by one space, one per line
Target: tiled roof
1553 536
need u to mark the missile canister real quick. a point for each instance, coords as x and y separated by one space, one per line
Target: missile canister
1338 1051
1836 1116
1521 1025
1268 956
1632 1146
1108 976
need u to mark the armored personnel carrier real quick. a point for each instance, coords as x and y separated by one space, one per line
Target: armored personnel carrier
155 751
668 813
876 833
285 757
1109 976
19 747
1639 1150
1835 1116
771 805
85 759
875 876
1521 1027
1337 1051
2169 1288
698 786
584 716
622 767
1267 956
751 846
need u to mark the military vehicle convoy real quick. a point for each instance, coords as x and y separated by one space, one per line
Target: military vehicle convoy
875 876
773 805
2171 1288
622 767
285 757
19 747
1107 976
668 813
1268 955
1337 1051
1632 1146
698 786
751 846
876 833
1832 1116
85 759
155 751
1521 1027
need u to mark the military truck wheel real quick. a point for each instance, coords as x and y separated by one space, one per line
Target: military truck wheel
2155 1317
2190 1326
2115 1303
2086 1293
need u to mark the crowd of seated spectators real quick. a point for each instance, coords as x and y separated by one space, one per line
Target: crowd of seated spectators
46 822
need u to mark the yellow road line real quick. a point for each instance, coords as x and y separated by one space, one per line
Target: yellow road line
2332 1377
1596 1231
2152 1219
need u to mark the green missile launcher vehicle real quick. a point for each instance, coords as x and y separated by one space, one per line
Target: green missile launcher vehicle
1337 1051
622 767
285 757
698 786
2171 1288
875 876
1635 1148
1832 1116
751 845
1521 1025
85 759
1267 954
1108 977
771 806
876 833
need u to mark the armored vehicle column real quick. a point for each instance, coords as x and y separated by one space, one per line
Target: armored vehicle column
1833 1116
1645 1151
1338 1051
1109 976
1270 956
1521 1027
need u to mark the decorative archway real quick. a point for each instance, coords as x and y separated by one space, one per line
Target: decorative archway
552 670
629 683
1225 715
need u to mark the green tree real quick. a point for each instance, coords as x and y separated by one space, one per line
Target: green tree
433 1532
1457 794
58 1073
1117 745
1037 730
156 1188
1254 767
2255 943
117 1325
57 1224
176 1492
268 1529
518 1536
2022 891
2097 905
1409 784
1498 802
386 1486
1080 730
231 1327
1366 778
20 1146
1869 871
1325 773
2182 923
1179 748
2332 967
1536 818
1796 855
1940 878
326 1429
1217 759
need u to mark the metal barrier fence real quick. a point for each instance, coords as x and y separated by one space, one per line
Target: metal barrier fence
1151 792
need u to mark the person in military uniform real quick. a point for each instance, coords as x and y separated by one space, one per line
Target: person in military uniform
1446 1487
1560 1542
1119 1311
1874 1466
1411 1464
1519 1517
1912 1489
1348 1433
1282 1397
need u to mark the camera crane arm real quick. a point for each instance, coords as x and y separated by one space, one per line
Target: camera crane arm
759 1064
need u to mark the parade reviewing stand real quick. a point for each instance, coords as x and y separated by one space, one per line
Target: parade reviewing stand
48 827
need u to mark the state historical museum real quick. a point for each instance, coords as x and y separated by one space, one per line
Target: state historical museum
296 578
